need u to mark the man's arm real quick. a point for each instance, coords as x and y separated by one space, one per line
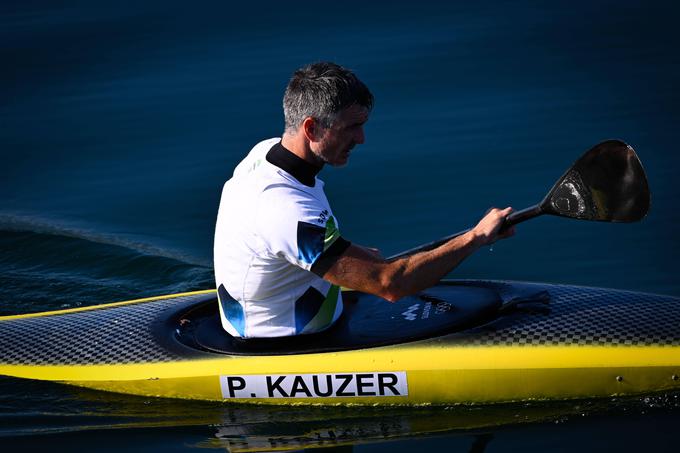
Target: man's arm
364 270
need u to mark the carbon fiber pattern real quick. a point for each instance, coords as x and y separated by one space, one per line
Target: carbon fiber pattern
114 335
580 316
574 316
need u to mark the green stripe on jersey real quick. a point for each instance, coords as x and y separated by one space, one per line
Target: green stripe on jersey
332 233
324 316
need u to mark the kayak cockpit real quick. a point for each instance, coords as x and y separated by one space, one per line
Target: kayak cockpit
367 321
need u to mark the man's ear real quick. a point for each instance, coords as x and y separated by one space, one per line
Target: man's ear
312 129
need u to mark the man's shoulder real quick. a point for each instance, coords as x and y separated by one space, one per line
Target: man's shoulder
266 183
285 197
256 165
285 193
255 157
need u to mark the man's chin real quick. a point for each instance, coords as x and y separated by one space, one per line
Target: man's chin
336 161
340 162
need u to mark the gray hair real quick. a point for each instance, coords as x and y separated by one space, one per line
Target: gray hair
321 91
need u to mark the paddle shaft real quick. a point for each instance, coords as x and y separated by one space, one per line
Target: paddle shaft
513 219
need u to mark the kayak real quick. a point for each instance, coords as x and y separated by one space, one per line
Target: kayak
457 342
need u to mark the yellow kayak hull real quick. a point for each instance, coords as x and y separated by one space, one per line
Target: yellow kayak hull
445 369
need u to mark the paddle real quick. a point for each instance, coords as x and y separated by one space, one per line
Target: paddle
606 184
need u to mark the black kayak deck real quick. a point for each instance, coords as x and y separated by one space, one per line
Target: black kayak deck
367 321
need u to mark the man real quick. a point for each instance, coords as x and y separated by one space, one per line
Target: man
279 255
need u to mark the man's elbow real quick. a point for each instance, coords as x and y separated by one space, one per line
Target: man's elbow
392 288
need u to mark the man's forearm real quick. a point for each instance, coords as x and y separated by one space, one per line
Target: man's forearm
361 269
421 270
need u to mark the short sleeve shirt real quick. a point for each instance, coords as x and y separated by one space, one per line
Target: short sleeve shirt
271 231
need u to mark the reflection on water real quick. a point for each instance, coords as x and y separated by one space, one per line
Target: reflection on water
52 411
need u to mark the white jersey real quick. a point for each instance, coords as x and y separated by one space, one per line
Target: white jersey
271 229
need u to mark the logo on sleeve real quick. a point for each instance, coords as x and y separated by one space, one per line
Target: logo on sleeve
323 216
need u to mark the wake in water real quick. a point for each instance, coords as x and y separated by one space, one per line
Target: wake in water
46 267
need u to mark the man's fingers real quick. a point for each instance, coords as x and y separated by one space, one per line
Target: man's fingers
508 232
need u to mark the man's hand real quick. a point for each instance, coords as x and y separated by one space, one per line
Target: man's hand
488 230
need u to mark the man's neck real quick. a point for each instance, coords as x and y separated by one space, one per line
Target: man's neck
297 144
292 164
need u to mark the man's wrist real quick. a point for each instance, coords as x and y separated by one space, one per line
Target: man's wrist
475 239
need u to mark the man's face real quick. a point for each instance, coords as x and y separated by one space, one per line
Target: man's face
337 141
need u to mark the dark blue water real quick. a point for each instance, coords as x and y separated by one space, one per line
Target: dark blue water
119 122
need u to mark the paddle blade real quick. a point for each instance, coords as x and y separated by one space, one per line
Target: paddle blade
607 184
